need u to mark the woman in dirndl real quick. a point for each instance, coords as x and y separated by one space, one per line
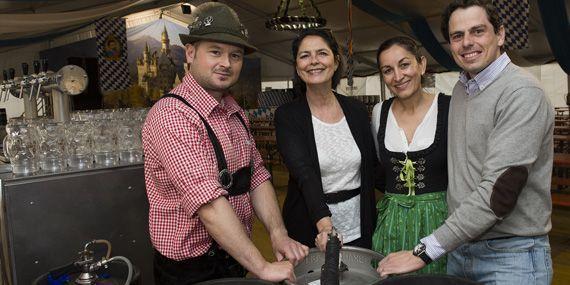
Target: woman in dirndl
410 133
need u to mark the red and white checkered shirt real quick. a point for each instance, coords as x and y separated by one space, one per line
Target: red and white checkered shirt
181 172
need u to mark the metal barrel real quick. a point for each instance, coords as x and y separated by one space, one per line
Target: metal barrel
424 279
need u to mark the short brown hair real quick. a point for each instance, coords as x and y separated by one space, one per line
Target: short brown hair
487 5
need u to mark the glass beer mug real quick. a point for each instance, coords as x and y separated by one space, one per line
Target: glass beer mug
78 145
129 141
20 147
51 142
104 134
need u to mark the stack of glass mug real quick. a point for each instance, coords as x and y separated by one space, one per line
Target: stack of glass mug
93 138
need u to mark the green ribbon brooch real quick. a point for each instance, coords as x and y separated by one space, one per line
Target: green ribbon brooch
408 174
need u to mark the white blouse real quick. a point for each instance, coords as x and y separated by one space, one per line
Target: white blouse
339 161
395 138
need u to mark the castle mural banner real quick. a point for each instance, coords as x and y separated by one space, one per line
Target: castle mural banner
156 60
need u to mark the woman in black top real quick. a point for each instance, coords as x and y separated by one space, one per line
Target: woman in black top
328 148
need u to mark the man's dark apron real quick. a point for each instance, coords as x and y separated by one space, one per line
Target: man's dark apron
215 263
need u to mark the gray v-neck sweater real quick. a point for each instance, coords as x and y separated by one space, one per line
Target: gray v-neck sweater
500 161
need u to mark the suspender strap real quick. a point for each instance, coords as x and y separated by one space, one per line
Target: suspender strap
224 176
220 158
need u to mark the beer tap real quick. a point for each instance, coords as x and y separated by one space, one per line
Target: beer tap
10 83
4 83
68 81
24 82
34 77
43 76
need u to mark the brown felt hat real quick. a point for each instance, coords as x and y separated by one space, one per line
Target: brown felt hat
213 21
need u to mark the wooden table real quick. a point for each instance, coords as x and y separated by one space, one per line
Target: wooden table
561 110
561 143
561 130
562 159
561 122
267 146
262 128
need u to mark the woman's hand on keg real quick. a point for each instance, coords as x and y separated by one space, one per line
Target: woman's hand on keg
324 226
322 239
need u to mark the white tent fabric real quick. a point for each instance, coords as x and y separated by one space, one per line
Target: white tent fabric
29 25
155 28
444 82
556 89
16 24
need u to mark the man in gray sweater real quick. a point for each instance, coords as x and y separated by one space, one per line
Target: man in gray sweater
500 162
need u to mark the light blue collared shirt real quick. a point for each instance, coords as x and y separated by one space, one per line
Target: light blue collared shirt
486 76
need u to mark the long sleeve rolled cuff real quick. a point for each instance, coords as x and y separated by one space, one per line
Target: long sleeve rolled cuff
259 176
203 193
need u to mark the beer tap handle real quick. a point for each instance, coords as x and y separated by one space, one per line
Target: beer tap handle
36 66
31 92
21 91
25 68
39 89
4 82
11 75
34 77
44 65
24 78
6 87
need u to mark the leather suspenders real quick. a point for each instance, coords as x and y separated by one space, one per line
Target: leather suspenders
237 183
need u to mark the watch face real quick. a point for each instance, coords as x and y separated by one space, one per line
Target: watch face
419 249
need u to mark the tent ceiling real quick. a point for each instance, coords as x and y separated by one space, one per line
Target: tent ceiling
368 31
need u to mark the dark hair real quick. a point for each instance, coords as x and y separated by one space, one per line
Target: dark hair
298 84
404 42
487 5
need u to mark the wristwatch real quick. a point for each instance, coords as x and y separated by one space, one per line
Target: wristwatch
420 251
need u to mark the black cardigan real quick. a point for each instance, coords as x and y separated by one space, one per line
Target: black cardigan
305 205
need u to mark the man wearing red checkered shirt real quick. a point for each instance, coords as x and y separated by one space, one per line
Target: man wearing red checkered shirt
203 174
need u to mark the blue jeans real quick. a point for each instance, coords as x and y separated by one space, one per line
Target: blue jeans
516 261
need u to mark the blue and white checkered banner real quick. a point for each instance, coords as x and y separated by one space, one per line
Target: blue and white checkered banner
112 54
261 113
515 16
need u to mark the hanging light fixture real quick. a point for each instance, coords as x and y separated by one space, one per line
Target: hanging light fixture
310 17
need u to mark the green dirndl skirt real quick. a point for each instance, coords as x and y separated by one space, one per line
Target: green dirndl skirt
403 220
